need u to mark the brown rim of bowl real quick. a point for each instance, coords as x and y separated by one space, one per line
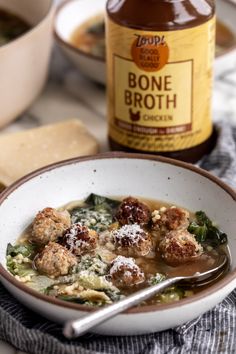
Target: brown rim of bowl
66 43
33 28
111 155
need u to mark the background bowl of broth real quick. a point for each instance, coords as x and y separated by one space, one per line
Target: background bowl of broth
72 22
80 32
146 177
25 45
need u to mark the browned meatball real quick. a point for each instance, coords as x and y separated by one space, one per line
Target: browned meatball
125 273
132 240
167 219
132 211
179 247
49 224
55 260
79 239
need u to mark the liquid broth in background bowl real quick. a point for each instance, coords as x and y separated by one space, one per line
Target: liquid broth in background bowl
11 27
25 47
79 30
90 37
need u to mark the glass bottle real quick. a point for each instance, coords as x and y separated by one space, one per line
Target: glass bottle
159 76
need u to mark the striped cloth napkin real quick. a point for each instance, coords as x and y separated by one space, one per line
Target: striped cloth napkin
212 333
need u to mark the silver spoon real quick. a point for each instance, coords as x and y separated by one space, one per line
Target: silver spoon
76 328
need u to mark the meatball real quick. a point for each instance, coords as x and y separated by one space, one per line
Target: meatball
167 219
132 211
49 224
124 272
79 239
132 240
54 260
179 246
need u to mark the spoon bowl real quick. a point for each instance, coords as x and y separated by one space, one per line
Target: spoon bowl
76 328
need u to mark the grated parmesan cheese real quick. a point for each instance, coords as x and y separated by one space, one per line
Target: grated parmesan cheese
73 234
134 233
121 262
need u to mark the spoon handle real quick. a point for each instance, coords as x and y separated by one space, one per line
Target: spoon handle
78 327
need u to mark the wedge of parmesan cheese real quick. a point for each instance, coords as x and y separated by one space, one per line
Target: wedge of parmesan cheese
23 152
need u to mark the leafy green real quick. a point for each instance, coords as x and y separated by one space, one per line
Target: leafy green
20 269
156 279
93 281
205 231
92 264
97 28
97 213
90 274
95 199
96 302
93 219
26 250
171 294
114 294
14 265
41 283
200 231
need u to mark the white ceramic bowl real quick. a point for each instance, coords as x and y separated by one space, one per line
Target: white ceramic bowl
73 13
70 15
24 61
110 175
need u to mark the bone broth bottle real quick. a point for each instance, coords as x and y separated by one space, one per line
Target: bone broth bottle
159 57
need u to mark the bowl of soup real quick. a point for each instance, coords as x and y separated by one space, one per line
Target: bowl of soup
78 28
80 32
25 45
81 234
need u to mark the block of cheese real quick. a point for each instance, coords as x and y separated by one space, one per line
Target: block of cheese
25 151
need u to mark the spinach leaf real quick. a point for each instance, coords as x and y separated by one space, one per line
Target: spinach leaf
17 267
174 293
95 199
20 269
97 213
26 250
113 294
156 279
93 219
41 283
83 301
205 231
200 231
92 264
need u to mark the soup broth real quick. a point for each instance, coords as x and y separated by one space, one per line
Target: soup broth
90 37
11 27
95 252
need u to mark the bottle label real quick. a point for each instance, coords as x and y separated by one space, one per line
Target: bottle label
159 86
